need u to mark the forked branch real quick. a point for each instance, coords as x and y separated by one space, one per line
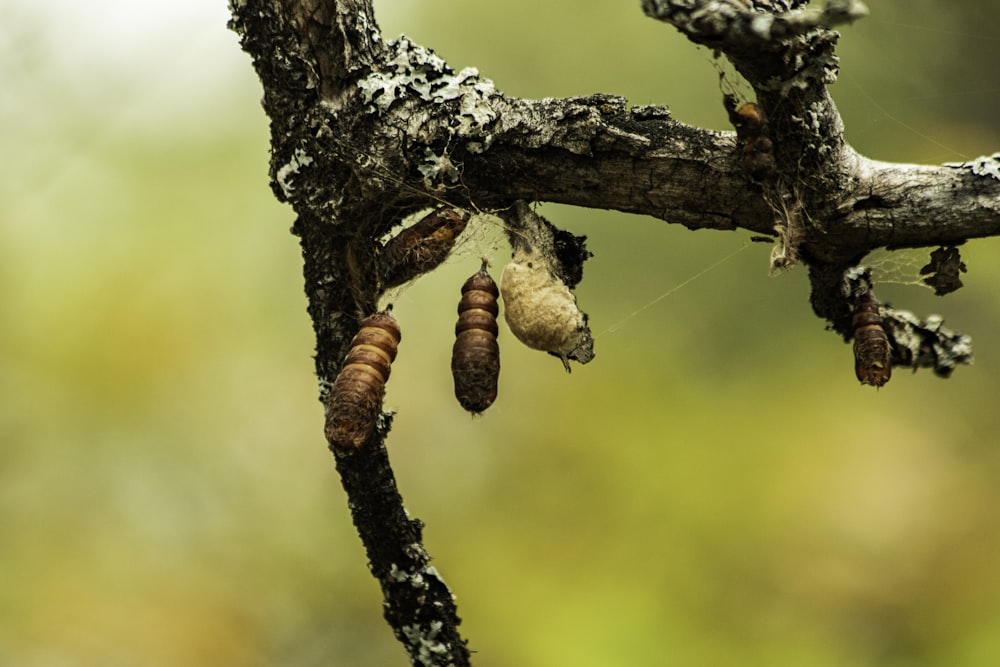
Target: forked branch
365 133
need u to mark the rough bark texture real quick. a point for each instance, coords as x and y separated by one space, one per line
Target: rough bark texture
365 133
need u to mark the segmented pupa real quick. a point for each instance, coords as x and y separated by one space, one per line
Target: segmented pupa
872 352
356 395
475 357
421 246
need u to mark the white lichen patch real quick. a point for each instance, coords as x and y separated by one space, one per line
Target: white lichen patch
290 169
761 26
424 644
986 165
419 579
472 109
648 111
419 73
414 78
855 274
927 343
432 572
397 575
325 386
437 167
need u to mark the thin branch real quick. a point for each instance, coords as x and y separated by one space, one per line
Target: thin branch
736 25
418 605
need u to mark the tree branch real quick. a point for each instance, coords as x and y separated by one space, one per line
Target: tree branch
418 605
307 54
365 133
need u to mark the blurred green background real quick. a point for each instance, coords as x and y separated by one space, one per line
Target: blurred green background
714 489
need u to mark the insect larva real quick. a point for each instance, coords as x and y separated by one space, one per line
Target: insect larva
475 357
872 351
356 394
420 247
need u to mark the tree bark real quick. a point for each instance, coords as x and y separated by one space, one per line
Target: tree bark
365 133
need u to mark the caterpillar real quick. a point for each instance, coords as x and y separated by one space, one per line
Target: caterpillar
475 357
420 247
356 395
872 351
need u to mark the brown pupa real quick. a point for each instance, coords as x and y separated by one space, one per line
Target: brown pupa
356 395
475 357
421 247
872 351
753 134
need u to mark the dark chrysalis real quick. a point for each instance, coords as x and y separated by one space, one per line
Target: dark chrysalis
475 357
356 394
420 247
754 136
871 344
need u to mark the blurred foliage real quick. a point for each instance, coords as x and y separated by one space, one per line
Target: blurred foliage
715 488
